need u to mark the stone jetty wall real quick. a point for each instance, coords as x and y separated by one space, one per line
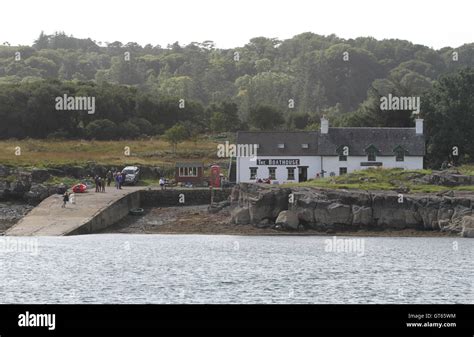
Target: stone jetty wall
184 196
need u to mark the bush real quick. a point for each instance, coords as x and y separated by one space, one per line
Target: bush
102 129
143 125
128 130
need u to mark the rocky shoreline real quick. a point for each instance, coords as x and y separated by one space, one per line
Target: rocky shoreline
327 210
11 213
198 220
255 209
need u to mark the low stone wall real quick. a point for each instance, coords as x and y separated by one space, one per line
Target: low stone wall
189 196
111 214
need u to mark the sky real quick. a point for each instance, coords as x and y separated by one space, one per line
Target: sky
232 23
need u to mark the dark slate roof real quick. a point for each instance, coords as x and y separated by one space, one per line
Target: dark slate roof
268 142
358 139
384 139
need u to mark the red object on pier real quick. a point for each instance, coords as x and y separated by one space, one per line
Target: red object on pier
79 188
215 176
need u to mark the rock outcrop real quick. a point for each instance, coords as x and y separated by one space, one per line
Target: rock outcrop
446 178
326 209
288 220
468 227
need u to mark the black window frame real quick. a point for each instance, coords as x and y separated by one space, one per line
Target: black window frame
371 154
254 176
270 175
292 169
400 156
342 168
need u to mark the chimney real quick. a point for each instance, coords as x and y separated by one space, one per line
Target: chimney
419 126
324 125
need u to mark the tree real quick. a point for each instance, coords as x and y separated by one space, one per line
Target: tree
224 117
175 135
42 41
266 117
298 120
263 65
448 110
218 123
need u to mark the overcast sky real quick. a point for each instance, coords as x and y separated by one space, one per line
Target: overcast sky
231 23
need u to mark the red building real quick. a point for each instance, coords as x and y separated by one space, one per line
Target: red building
189 172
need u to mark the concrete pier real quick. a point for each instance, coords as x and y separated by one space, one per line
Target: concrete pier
91 212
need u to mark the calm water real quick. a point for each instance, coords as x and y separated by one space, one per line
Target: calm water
120 268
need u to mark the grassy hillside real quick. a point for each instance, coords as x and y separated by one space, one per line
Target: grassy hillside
385 179
41 153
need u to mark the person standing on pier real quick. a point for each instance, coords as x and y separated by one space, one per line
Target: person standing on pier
124 175
65 199
109 177
116 178
119 181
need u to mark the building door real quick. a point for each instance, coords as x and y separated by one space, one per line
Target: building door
302 173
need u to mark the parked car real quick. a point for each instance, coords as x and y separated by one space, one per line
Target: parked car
132 175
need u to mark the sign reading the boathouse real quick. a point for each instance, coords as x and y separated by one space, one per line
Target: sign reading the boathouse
371 163
278 161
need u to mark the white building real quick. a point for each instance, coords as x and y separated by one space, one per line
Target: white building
285 156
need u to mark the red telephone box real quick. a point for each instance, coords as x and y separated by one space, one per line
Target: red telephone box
215 176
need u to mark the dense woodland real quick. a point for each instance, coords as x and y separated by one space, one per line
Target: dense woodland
266 84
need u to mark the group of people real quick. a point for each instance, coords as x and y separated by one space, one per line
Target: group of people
116 176
99 184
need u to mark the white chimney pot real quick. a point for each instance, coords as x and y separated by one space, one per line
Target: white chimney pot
419 126
324 125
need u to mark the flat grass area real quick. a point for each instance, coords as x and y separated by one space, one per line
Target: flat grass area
385 179
156 152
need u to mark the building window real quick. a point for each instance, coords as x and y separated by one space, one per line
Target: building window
253 173
272 173
188 171
372 152
342 170
291 173
342 158
400 156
